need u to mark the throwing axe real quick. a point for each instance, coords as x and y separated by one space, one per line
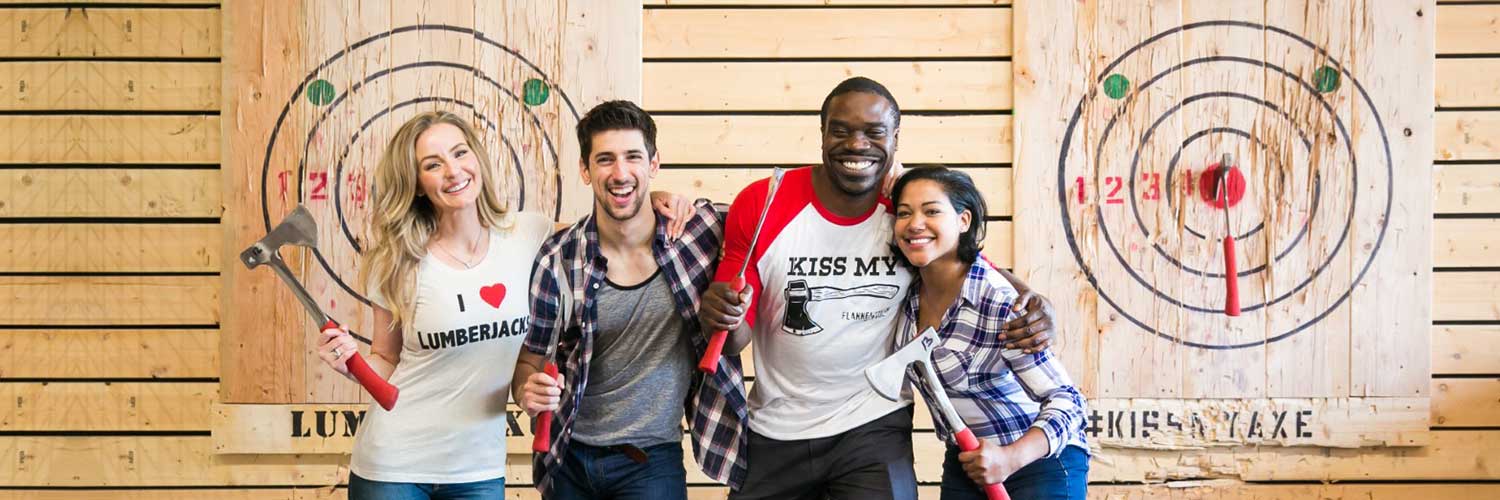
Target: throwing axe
299 229
889 375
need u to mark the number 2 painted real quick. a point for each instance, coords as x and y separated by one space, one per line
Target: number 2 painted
1113 184
320 186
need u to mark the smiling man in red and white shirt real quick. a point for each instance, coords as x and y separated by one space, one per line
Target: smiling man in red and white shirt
825 290
822 301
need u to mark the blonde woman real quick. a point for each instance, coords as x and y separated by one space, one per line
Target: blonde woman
451 312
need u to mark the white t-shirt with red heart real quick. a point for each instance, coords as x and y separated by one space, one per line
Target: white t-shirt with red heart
449 423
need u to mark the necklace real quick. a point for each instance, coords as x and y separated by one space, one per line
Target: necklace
465 263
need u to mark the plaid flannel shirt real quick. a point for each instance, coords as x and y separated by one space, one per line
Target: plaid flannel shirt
1004 384
568 272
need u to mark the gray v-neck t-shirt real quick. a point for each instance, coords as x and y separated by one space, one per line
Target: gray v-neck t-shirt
641 368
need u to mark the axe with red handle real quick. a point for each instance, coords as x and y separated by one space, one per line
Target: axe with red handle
889 375
1231 271
710 362
298 229
542 442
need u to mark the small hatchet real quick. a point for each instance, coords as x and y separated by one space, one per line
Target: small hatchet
889 375
299 229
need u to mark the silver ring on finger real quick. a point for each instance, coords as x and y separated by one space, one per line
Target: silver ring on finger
337 354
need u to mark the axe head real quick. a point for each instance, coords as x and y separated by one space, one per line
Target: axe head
297 228
889 375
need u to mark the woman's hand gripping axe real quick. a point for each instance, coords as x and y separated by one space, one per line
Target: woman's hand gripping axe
299 229
888 376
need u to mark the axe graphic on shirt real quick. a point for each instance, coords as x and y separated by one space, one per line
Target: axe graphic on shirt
798 294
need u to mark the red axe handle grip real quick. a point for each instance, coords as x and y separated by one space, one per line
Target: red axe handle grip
384 393
967 442
710 362
1231 279
543 440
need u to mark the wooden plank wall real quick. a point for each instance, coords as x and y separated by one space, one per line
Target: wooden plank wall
110 200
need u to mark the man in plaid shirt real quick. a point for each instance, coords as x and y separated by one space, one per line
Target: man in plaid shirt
614 303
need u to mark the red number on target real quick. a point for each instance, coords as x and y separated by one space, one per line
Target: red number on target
1113 184
1114 194
320 189
1153 186
360 191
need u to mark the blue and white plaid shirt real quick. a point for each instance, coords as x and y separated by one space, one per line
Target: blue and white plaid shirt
1012 390
568 272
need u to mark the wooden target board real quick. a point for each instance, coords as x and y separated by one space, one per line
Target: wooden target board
314 89
1147 132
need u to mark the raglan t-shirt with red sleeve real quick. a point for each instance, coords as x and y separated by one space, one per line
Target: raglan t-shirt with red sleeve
827 295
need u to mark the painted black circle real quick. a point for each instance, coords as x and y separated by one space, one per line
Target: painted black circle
311 76
1302 233
1067 219
349 146
1177 157
1353 172
338 201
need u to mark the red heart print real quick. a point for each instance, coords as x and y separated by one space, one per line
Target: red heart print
493 294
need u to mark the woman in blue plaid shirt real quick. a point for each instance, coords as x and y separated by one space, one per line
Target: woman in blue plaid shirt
1023 407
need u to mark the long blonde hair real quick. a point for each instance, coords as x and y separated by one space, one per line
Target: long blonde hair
403 222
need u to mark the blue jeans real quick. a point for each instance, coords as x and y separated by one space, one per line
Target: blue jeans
592 472
365 489
1063 478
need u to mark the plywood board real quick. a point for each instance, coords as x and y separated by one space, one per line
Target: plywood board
125 461
109 192
109 300
1465 242
109 85
802 86
127 248
1465 296
1465 350
794 140
1467 188
314 92
90 139
789 33
1124 108
1194 424
1468 135
1466 402
109 353
1468 82
1468 29
105 407
123 32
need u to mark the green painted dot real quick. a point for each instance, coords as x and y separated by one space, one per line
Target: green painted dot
1326 79
535 92
320 92
1116 86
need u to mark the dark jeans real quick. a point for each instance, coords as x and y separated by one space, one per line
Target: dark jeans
1063 478
592 472
365 489
872 461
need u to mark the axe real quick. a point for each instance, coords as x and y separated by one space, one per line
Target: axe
710 362
299 229
889 375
